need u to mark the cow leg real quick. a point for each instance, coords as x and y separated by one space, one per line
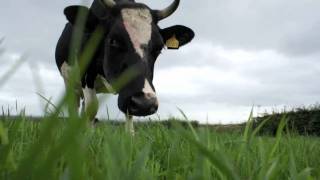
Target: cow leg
91 103
65 72
129 125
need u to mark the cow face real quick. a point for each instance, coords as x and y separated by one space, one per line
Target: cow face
133 41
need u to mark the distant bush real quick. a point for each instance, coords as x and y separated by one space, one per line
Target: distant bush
302 120
171 122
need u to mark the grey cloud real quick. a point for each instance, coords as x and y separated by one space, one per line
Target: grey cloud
268 78
33 27
290 26
304 42
195 54
253 24
248 95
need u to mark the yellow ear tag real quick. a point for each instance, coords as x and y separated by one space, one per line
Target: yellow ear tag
172 43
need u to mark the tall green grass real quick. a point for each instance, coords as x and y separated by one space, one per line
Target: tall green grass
72 149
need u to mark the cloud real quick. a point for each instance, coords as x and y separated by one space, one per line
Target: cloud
253 25
304 42
239 77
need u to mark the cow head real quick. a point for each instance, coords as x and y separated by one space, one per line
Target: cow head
133 39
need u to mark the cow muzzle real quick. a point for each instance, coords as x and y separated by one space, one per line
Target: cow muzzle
142 104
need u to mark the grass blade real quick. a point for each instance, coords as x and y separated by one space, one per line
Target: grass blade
217 159
189 124
246 135
282 125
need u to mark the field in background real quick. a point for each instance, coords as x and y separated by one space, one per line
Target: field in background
73 149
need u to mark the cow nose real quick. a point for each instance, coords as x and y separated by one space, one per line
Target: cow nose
143 104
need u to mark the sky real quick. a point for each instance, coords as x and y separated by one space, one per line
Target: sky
250 53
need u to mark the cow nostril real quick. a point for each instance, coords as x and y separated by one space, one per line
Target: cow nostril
149 95
123 68
143 104
153 109
136 102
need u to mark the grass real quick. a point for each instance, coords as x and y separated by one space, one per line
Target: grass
72 149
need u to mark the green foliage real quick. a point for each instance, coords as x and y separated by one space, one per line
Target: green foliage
72 149
303 121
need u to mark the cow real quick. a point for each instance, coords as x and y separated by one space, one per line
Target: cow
131 38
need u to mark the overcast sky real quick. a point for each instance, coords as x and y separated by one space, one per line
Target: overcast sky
250 52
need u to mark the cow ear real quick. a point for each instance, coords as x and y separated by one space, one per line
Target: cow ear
176 36
72 13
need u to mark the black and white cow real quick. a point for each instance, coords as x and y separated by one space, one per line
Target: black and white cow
131 39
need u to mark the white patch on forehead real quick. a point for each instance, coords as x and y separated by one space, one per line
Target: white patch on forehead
138 25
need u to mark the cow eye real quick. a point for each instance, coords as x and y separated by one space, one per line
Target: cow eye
115 43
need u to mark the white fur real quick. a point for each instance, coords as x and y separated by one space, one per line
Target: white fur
147 89
65 70
138 25
90 102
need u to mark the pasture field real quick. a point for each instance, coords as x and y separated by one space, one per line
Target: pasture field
73 149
